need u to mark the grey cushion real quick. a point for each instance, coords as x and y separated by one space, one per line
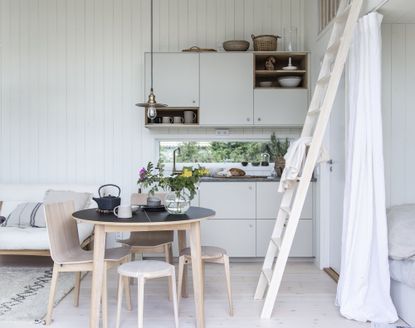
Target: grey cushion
26 215
81 199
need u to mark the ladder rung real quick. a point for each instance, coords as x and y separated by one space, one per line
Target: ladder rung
268 274
341 16
332 49
324 80
314 111
286 209
277 242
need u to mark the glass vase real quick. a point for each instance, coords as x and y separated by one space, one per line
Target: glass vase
177 202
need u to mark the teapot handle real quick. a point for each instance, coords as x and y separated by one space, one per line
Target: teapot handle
109 185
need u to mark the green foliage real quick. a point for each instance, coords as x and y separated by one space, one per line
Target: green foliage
277 147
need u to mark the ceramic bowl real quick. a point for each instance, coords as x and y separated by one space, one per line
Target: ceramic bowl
289 81
236 45
265 84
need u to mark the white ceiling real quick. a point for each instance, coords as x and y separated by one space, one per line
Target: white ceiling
398 11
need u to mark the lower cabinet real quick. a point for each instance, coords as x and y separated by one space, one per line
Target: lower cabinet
237 237
303 240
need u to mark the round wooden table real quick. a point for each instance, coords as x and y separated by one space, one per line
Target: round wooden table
146 221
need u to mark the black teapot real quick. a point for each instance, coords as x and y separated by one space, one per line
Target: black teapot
108 203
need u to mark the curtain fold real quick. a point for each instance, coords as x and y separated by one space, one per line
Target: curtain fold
363 291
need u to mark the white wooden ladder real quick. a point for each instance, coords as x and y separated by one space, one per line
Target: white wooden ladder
315 126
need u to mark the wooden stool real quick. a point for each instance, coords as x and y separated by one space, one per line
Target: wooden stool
143 270
210 254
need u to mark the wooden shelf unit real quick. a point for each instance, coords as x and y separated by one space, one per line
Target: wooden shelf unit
299 59
171 112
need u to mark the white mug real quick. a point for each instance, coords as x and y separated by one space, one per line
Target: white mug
189 116
123 212
178 120
167 120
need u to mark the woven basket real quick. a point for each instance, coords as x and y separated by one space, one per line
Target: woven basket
265 42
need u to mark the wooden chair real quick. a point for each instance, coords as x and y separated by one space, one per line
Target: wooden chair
151 241
209 255
143 270
68 256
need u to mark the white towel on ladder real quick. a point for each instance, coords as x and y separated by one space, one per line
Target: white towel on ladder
294 160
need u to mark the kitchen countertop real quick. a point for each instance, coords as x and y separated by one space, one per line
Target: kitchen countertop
244 179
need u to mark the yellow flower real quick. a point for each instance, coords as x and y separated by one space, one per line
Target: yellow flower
186 173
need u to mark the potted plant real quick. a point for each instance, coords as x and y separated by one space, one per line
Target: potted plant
277 148
181 187
149 178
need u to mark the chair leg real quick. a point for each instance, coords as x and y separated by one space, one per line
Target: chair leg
228 283
167 249
104 299
77 288
127 292
52 293
172 279
180 277
119 300
140 298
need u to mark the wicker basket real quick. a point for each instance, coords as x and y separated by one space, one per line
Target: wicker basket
265 42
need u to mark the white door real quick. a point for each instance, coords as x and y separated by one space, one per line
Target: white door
176 78
226 88
337 176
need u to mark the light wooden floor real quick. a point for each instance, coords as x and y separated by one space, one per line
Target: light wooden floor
306 300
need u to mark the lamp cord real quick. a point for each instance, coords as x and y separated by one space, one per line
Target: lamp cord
151 44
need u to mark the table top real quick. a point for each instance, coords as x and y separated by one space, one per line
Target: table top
142 217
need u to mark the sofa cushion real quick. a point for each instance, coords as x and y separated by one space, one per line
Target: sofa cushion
26 215
81 199
14 238
401 231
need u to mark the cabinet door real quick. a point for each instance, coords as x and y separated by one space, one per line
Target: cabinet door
237 237
303 240
280 106
269 199
176 78
226 88
230 200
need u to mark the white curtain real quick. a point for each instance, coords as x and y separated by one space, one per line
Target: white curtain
363 291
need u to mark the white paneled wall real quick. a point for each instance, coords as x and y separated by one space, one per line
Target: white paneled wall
72 70
399 112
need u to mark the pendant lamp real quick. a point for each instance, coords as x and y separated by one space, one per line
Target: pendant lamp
151 105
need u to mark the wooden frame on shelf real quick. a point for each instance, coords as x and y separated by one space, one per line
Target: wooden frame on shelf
172 112
299 59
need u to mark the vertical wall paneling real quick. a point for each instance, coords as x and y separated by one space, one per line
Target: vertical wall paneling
72 70
398 114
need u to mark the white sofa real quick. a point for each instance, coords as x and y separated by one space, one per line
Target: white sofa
34 241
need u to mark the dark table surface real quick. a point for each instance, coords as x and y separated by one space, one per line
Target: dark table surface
142 216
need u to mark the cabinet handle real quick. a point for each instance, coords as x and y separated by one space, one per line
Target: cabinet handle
259 119
194 101
248 119
250 187
251 225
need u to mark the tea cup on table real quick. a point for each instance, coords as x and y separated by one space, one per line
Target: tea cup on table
178 120
123 212
189 116
167 120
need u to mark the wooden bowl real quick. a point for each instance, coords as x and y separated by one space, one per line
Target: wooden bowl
236 45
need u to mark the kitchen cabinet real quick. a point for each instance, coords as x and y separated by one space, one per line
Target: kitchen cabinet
303 240
236 236
230 200
268 201
226 89
176 78
280 106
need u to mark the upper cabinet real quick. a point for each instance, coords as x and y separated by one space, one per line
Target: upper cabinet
176 78
226 88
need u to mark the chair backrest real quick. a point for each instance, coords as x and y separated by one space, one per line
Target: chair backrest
62 231
141 199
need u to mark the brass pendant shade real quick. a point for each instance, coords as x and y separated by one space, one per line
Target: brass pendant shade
151 105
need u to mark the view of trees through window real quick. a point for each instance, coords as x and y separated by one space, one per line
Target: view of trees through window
213 151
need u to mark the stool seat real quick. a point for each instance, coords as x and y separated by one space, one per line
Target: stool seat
208 252
146 269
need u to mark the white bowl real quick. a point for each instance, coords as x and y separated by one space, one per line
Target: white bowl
290 81
265 84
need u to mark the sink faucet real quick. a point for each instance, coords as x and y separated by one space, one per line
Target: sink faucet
177 150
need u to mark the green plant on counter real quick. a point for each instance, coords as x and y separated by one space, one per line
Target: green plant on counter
277 147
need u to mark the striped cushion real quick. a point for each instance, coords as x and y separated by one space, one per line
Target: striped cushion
26 215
